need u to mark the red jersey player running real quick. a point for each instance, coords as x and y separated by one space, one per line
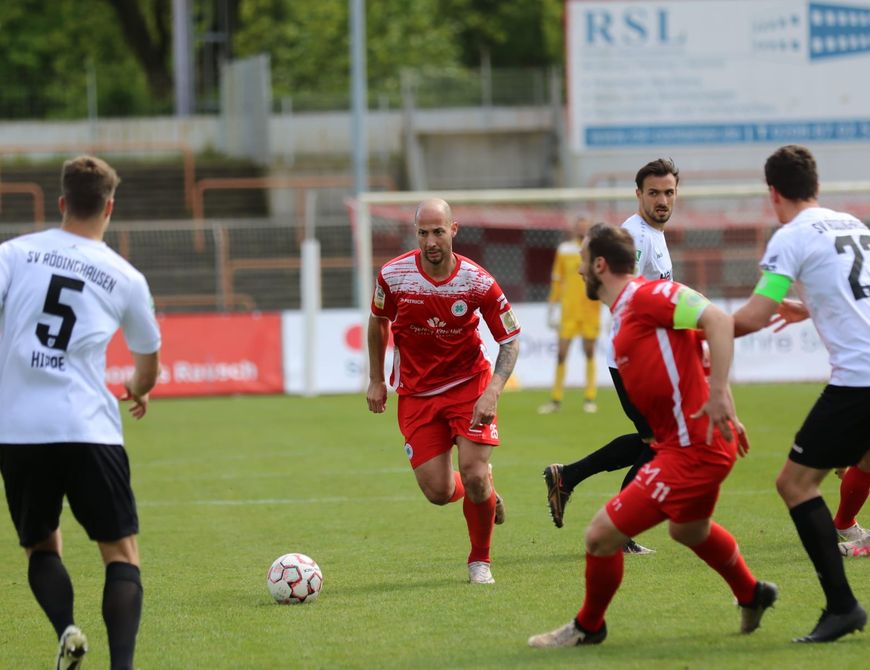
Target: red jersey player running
448 392
657 348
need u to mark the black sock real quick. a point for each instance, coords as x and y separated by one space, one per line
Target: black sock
52 587
645 457
815 528
122 609
615 455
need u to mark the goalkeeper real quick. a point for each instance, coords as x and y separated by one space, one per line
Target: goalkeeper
574 315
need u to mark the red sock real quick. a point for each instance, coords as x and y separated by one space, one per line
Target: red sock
458 489
480 518
603 577
721 553
853 494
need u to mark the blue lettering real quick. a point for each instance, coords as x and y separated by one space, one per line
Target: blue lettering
635 24
598 23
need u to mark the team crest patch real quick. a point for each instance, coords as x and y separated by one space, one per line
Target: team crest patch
379 297
409 450
509 321
459 308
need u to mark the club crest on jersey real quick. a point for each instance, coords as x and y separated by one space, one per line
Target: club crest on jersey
435 322
379 297
459 308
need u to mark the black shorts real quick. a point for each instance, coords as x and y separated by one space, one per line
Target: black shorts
836 432
630 410
94 477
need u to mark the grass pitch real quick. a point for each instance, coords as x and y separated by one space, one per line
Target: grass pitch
226 485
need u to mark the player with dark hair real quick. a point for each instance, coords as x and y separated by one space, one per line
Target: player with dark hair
572 315
63 295
433 299
657 346
656 183
822 253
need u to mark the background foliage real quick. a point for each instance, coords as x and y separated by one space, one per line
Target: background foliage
45 55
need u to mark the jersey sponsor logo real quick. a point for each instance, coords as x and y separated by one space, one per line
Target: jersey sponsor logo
380 297
435 322
459 308
509 321
412 301
769 264
409 450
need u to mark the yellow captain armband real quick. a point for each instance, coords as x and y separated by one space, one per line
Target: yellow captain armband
773 286
689 306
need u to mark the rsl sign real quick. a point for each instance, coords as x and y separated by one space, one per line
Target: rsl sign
717 72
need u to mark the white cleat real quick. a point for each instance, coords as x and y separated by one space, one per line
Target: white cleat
569 635
479 573
856 549
852 533
71 649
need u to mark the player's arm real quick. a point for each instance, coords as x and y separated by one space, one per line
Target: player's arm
378 336
767 305
146 368
485 407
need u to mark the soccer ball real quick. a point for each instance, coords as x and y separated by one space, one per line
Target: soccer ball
294 578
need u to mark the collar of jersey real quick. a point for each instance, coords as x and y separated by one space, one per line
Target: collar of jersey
436 282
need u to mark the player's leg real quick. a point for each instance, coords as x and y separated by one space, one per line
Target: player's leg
122 598
714 545
102 500
833 434
557 395
478 506
630 513
590 393
428 446
854 489
33 479
622 452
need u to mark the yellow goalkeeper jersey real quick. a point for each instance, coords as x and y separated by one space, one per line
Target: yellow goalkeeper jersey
568 287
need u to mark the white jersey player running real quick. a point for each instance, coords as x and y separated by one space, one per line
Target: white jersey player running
63 295
656 190
821 252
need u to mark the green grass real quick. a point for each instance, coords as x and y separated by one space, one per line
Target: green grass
226 485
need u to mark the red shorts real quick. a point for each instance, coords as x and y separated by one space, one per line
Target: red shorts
674 486
430 424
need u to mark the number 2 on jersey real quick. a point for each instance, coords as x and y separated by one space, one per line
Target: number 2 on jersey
55 307
859 290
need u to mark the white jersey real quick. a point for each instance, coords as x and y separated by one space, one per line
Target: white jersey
651 249
62 298
653 260
824 252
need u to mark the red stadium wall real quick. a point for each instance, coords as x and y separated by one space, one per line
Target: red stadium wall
209 354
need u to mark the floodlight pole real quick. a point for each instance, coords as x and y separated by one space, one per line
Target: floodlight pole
359 95
182 57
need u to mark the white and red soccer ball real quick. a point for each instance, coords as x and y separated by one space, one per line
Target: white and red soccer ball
294 578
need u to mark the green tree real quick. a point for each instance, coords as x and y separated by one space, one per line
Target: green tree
309 43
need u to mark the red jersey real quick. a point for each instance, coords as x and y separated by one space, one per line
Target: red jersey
434 323
662 367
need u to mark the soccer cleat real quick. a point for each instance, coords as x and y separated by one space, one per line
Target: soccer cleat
550 407
853 533
479 573
590 407
632 547
73 645
857 549
765 595
833 626
569 635
557 497
500 513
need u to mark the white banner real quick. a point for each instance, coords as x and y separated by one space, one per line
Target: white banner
795 354
717 72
